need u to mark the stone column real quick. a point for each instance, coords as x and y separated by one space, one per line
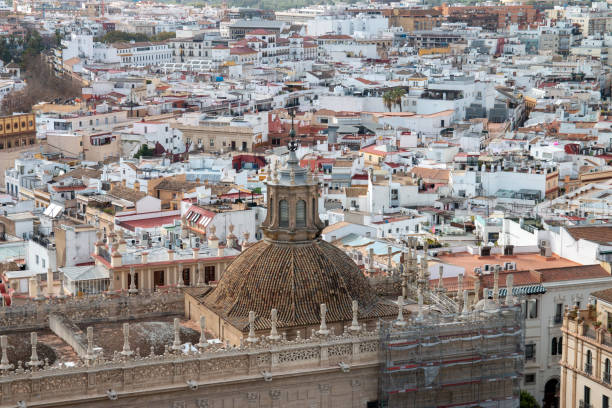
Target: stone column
4 362
34 361
203 343
176 344
127 351
323 330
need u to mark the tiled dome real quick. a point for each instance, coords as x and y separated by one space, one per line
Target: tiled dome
295 279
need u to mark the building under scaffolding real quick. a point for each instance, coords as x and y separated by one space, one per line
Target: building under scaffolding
469 359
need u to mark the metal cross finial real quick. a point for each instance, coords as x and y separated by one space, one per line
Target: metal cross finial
292 143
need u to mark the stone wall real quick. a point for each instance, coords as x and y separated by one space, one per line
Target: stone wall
92 309
286 374
69 332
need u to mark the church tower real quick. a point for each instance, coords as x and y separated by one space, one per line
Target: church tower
293 214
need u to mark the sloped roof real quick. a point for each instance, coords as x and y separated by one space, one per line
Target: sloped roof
601 234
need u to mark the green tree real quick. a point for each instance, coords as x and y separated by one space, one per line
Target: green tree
123 36
528 401
144 151
388 100
393 98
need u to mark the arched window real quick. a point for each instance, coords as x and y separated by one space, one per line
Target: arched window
283 212
553 349
560 346
300 214
606 374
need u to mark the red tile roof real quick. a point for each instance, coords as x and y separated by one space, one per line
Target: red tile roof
149 222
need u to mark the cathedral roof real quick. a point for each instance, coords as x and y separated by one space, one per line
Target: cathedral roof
295 280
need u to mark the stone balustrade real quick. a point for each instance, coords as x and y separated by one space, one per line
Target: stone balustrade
188 367
91 309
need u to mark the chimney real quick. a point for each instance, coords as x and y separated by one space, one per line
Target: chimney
121 245
115 259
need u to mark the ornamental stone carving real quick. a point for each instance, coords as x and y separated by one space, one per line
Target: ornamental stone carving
338 350
178 404
109 377
275 394
324 388
252 396
299 355
202 403
368 347
226 363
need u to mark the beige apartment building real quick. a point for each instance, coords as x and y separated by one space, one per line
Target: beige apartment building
587 355
215 136
17 136
90 146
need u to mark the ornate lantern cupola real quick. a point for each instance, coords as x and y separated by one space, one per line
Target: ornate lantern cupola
293 214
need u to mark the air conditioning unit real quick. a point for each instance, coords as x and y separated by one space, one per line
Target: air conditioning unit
197 245
477 271
510 266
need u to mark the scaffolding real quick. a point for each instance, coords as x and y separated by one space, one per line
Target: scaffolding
472 359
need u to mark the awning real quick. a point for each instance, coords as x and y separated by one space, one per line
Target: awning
520 290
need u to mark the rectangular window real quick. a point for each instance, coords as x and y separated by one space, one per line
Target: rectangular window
209 273
43 263
530 378
530 350
37 259
558 313
533 308
587 395
605 402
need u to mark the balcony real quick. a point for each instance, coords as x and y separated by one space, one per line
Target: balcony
556 320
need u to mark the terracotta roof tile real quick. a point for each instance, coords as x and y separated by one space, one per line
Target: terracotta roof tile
601 234
294 279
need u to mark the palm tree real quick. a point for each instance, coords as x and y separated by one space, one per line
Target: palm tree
397 97
388 100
